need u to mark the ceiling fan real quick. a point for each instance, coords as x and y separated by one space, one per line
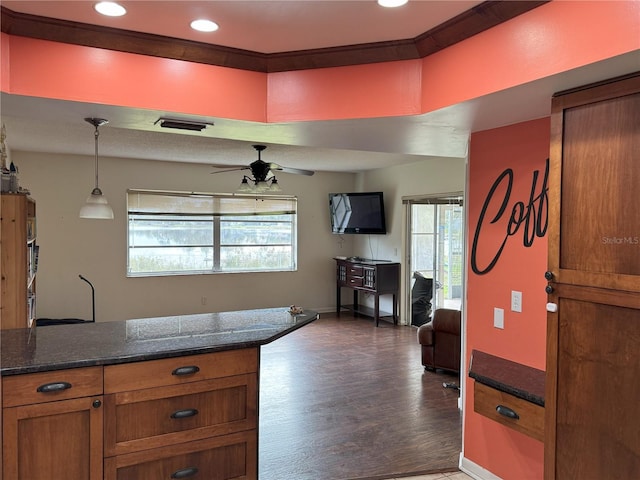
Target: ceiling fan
260 169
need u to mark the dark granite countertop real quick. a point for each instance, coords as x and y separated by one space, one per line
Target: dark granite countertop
106 343
510 377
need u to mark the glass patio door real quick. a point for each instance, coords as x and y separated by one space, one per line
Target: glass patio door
435 262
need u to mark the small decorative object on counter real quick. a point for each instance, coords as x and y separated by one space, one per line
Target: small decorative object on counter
13 178
294 310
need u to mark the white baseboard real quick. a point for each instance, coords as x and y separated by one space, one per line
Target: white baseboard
475 471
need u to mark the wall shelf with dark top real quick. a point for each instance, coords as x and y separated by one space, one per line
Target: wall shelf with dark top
509 393
369 276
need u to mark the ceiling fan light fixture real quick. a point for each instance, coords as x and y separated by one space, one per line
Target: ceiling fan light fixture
392 3
259 181
261 186
182 124
110 9
244 186
274 187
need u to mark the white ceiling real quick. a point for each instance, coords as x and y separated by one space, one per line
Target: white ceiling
263 26
270 26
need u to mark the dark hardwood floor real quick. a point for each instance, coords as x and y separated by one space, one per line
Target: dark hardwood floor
341 400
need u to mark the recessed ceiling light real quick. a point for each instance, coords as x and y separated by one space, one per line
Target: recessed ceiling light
392 3
111 9
202 25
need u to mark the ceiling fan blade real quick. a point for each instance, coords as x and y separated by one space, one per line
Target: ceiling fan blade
297 171
228 168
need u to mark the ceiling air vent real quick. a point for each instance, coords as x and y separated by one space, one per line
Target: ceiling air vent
182 124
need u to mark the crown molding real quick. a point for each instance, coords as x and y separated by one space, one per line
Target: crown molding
480 18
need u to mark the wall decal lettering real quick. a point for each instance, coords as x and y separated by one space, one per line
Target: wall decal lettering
532 216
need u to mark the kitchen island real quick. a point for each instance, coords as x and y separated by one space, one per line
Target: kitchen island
167 397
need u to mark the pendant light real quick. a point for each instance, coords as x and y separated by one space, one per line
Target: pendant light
96 206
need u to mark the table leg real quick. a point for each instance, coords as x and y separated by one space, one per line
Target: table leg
355 303
395 310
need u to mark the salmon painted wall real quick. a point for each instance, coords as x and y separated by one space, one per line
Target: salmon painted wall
550 39
359 91
547 40
46 69
4 62
507 251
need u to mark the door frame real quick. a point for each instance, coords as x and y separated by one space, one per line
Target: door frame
430 199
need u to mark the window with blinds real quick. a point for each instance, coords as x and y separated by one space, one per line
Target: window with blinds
177 233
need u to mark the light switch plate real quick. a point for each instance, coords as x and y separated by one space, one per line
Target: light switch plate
516 301
498 318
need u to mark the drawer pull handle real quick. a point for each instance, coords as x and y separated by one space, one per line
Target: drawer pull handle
190 370
507 412
53 387
190 412
185 473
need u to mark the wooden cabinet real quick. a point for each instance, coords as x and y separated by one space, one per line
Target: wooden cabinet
52 425
182 417
19 253
185 417
376 278
593 328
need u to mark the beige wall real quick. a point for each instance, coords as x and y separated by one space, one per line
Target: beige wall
426 177
96 249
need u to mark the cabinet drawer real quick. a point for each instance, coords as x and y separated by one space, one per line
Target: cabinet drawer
161 416
230 457
179 370
51 386
354 270
531 416
355 281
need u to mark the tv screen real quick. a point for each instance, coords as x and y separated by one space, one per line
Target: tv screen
361 212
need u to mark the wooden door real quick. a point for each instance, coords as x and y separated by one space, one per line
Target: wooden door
54 440
592 422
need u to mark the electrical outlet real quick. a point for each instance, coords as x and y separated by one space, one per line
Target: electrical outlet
498 318
203 300
516 301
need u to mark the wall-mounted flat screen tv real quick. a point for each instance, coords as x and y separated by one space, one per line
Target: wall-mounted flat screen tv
359 213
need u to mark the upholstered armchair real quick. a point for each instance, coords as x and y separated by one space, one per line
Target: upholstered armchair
440 340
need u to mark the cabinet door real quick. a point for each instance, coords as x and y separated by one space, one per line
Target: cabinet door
53 441
369 274
592 392
594 219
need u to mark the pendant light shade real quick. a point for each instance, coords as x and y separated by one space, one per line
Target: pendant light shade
96 205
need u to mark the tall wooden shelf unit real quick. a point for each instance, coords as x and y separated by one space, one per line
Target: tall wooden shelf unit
18 252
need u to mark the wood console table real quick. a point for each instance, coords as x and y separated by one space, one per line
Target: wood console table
371 276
